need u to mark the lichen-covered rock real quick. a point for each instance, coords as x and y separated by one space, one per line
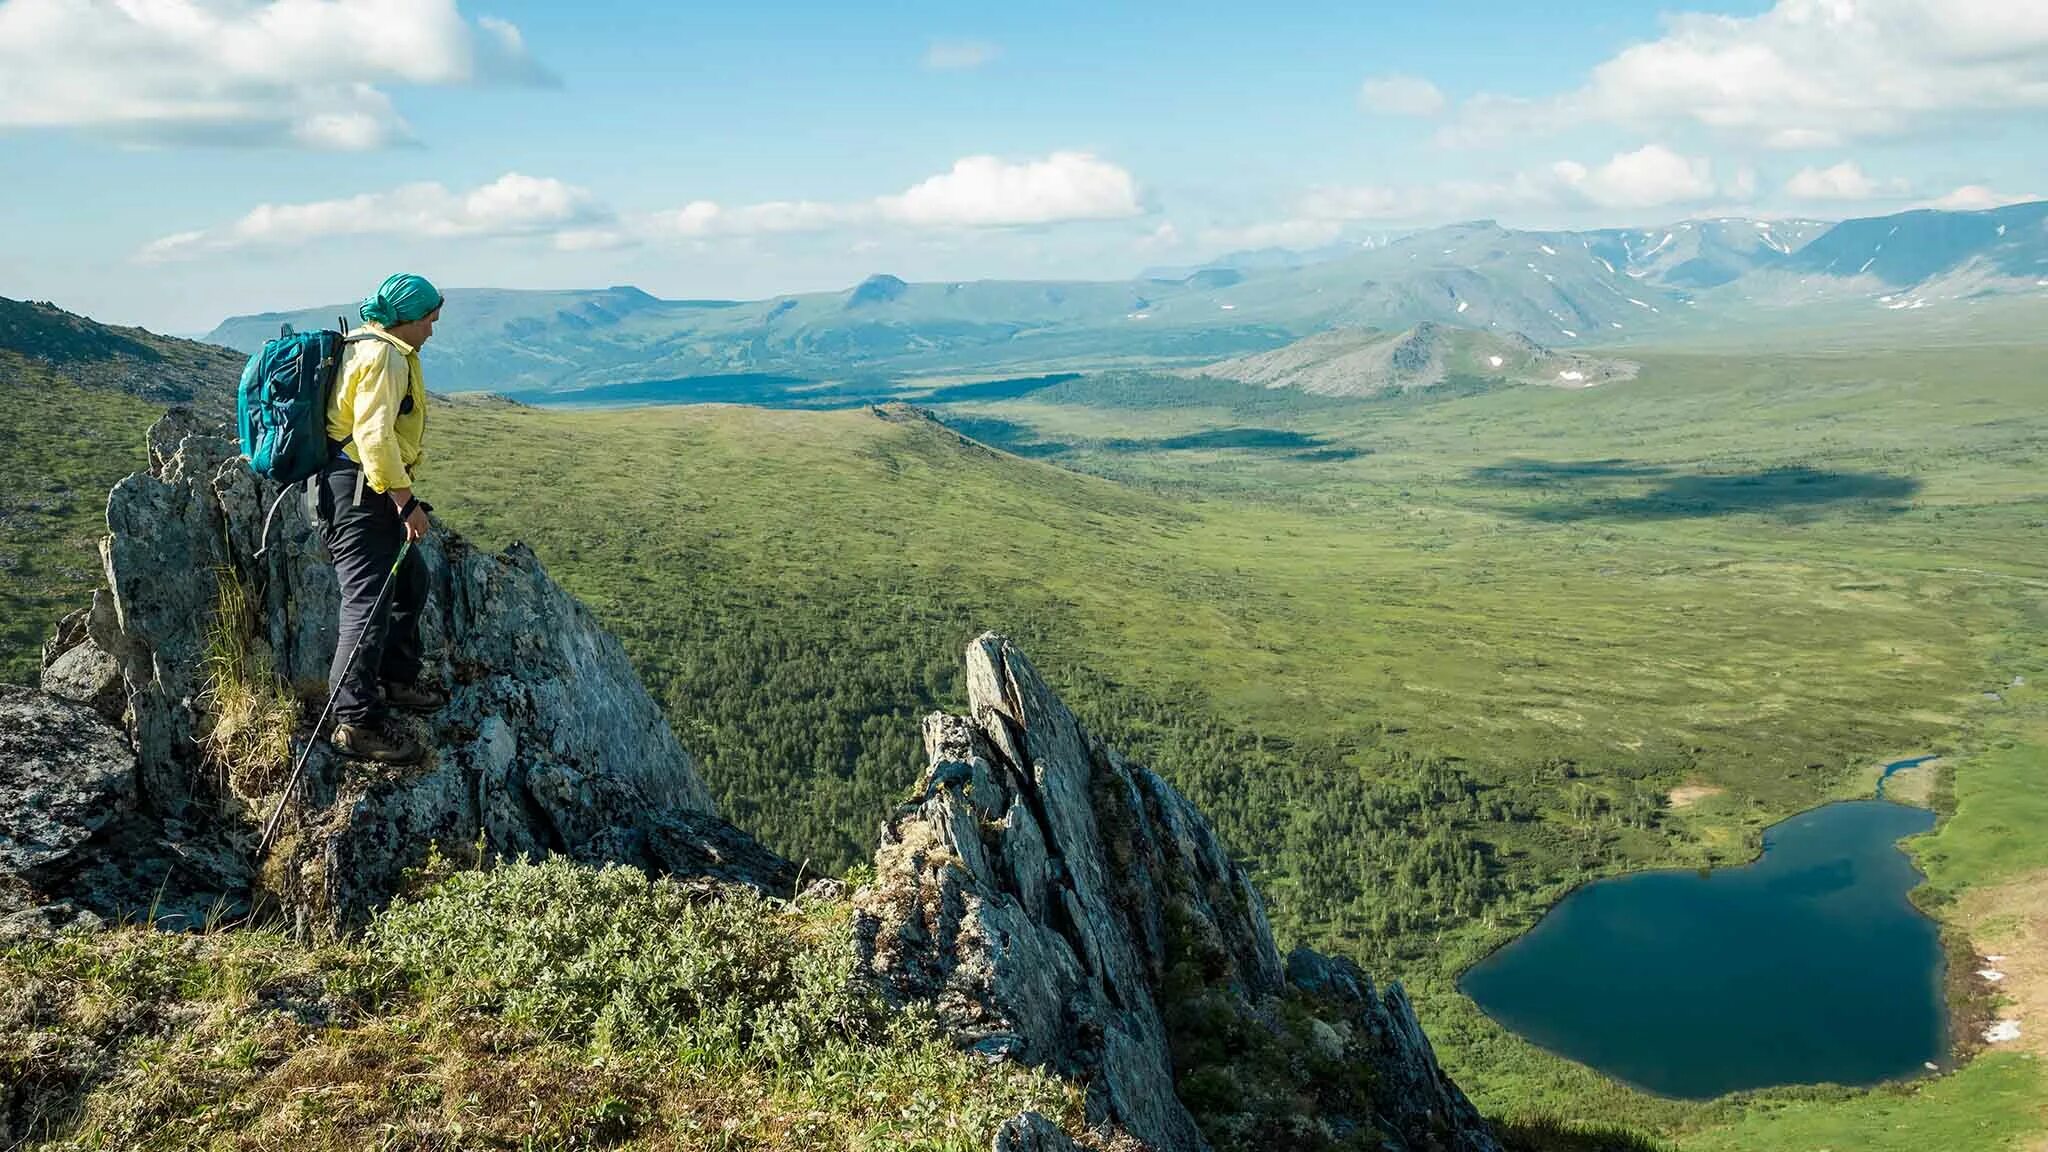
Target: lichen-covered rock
84 674
1040 893
550 744
64 773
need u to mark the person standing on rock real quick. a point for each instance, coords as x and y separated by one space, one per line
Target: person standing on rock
376 419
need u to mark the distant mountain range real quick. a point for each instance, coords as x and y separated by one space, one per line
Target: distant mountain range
1559 289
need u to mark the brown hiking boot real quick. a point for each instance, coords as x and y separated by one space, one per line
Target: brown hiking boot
366 742
414 697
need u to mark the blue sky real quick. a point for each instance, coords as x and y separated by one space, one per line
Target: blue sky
172 163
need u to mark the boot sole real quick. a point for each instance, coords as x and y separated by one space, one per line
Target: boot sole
358 754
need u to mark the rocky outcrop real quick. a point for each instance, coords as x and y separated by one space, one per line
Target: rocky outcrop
1049 900
69 773
550 744
1031 1132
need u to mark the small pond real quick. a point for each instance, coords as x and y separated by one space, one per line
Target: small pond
1807 966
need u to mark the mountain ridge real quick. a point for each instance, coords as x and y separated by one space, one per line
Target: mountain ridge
1559 288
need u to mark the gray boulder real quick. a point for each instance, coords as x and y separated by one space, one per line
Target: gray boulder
1032 1132
65 773
1041 890
67 779
76 667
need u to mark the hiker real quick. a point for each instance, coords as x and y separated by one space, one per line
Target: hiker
375 419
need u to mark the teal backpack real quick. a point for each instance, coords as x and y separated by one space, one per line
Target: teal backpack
281 405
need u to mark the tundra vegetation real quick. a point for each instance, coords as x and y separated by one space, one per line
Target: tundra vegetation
1428 660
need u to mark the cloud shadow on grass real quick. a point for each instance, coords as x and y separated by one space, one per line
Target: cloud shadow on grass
1023 440
1628 490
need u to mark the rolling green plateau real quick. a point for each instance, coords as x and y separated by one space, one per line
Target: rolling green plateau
1429 660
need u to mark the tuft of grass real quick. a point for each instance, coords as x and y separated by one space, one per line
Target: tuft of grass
1544 1132
251 713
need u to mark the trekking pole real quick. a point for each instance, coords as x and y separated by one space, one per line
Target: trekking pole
270 829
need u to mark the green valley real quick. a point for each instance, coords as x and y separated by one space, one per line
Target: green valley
1499 626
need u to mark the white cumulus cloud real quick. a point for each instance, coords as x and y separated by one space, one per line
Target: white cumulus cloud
1649 177
1977 198
1401 96
1806 74
296 73
1843 181
511 205
984 192
978 192
704 218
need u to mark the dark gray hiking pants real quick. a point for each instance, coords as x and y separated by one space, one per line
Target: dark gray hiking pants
364 539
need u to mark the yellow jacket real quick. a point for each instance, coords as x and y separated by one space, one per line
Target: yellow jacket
377 378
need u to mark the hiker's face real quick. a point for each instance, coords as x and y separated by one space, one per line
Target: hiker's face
419 331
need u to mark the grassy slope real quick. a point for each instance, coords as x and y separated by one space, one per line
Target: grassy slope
61 448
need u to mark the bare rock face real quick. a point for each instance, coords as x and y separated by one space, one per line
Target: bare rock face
550 744
1044 897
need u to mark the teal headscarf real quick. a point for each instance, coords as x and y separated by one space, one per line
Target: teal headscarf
401 299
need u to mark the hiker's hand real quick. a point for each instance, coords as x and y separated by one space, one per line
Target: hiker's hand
416 525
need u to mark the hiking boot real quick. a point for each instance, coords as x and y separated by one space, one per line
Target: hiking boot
414 697
367 742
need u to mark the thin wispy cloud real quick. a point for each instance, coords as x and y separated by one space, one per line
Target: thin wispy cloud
977 192
959 55
289 73
1401 96
513 205
1978 198
1845 181
1651 177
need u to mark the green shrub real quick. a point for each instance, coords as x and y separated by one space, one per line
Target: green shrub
612 958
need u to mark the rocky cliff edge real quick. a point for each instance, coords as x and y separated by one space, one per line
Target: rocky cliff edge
1043 899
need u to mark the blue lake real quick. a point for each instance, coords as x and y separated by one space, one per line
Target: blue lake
1806 966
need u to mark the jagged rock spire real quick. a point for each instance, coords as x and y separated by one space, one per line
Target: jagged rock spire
1041 890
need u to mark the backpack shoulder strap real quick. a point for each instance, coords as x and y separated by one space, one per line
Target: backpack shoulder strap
356 337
